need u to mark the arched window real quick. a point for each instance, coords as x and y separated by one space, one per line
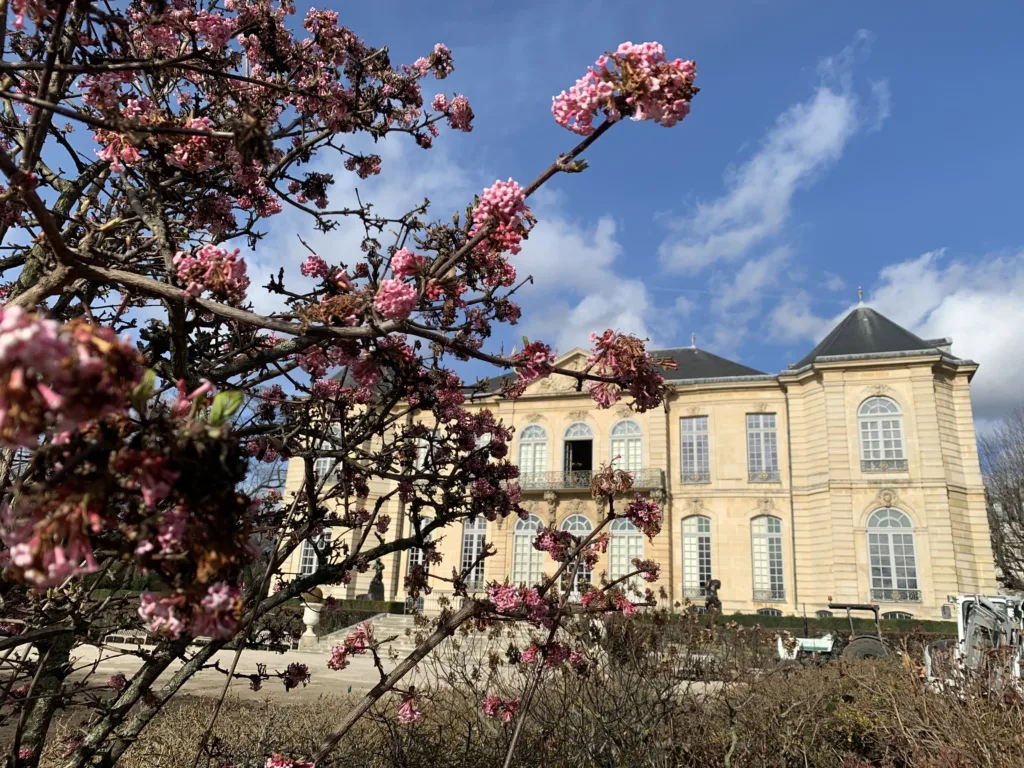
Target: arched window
627 544
696 555
578 456
627 446
824 614
527 562
473 538
769 612
897 616
880 424
313 553
766 544
580 527
533 456
892 556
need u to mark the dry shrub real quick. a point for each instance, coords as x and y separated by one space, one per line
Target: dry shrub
654 693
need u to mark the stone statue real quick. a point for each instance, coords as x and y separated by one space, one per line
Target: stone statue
713 603
376 584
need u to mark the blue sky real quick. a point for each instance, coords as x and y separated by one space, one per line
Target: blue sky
832 146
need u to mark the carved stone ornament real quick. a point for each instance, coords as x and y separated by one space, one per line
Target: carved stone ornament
532 418
695 506
623 412
761 407
551 499
888 497
657 495
766 505
574 507
694 411
580 415
879 389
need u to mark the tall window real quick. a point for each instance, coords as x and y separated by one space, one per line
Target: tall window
694 450
762 448
324 464
696 555
881 436
415 555
892 556
627 445
580 527
527 562
308 560
474 534
627 543
766 541
578 458
533 456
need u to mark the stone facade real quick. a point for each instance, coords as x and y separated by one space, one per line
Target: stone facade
743 516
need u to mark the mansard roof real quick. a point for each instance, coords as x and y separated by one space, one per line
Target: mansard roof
697 363
867 332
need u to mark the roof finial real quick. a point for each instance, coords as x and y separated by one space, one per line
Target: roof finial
693 340
860 296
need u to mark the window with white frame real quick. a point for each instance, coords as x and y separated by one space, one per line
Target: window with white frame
897 616
694 449
627 544
415 556
766 544
580 527
324 464
533 456
309 561
892 557
474 534
880 424
696 555
762 448
769 612
527 562
627 446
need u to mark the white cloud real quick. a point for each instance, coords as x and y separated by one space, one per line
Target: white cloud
792 320
683 306
748 285
834 282
806 139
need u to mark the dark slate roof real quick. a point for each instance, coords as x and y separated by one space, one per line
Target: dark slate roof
866 332
699 364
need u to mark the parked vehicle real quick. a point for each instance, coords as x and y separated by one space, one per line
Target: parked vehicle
857 646
989 631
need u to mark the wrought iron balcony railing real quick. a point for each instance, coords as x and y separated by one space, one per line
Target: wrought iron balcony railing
695 477
580 480
773 595
883 465
694 592
763 476
896 595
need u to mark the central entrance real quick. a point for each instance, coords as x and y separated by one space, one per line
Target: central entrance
578 457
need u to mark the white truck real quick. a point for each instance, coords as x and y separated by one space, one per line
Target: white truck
989 630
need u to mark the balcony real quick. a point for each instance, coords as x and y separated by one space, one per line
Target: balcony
763 476
883 465
695 477
774 595
896 595
692 593
580 480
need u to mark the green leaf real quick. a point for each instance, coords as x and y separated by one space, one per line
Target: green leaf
225 405
144 390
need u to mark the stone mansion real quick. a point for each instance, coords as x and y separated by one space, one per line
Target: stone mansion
853 475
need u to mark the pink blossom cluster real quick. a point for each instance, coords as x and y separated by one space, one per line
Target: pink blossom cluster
356 643
117 682
213 269
117 150
553 653
382 524
439 62
365 166
164 614
561 545
637 79
49 542
407 711
215 28
314 266
395 299
295 674
280 761
194 152
405 263
608 601
645 515
499 708
649 570
459 112
624 360
535 361
317 359
505 203
54 377
215 616
609 481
